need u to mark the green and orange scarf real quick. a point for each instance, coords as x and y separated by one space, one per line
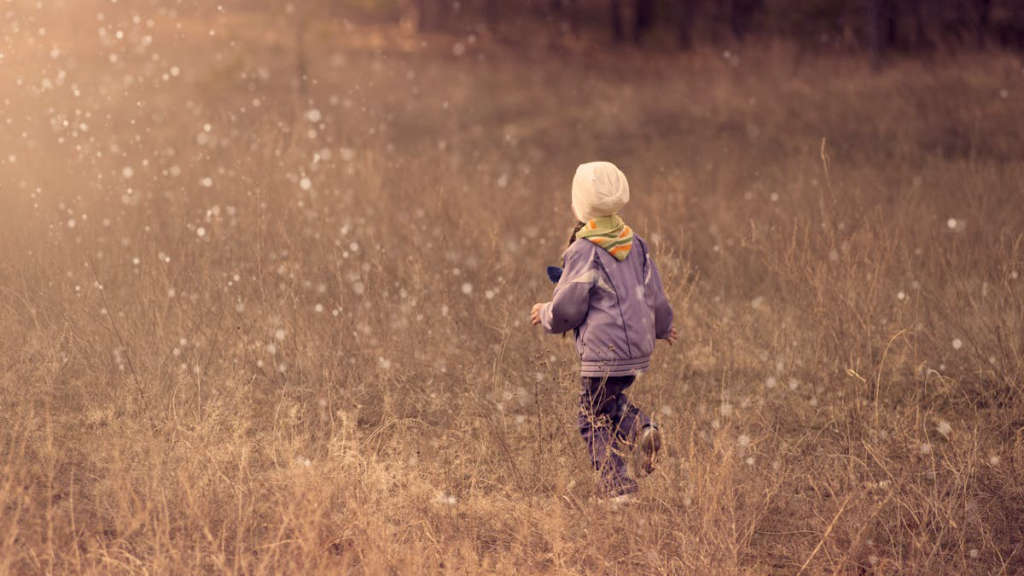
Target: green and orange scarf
610 233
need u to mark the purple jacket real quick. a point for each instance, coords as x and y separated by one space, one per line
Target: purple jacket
618 307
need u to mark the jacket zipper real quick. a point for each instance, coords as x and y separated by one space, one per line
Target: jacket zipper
618 306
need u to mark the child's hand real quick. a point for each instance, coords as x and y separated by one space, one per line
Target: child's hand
672 336
535 313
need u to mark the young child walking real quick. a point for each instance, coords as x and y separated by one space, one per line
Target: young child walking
610 293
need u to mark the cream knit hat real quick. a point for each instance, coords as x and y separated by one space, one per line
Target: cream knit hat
598 189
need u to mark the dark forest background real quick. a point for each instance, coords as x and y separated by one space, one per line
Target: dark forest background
878 27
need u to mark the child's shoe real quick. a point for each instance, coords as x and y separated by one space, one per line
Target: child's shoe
647 446
620 493
622 500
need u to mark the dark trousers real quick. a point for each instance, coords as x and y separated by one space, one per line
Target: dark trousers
610 423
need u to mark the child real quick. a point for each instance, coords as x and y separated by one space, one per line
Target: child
611 294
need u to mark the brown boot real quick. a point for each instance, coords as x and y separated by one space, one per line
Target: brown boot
647 446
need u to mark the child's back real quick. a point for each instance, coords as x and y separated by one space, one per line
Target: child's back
619 307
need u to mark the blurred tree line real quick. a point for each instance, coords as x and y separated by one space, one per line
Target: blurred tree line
881 26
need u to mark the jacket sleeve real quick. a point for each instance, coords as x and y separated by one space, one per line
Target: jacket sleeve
662 309
571 302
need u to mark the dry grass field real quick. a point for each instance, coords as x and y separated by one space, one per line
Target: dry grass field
255 323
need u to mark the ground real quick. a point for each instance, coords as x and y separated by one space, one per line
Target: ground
265 307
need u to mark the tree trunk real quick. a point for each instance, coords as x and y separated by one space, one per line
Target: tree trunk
881 27
491 14
685 14
741 16
422 23
921 40
617 29
983 9
643 19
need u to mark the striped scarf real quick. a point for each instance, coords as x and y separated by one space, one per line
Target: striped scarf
610 233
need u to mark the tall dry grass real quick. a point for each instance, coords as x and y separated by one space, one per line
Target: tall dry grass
260 324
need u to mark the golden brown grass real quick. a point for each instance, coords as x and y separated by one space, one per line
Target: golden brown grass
292 377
